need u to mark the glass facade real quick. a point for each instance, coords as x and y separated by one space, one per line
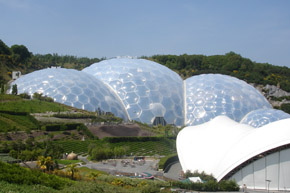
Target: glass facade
147 89
73 88
211 95
261 117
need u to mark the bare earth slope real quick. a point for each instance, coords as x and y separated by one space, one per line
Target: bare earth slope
118 130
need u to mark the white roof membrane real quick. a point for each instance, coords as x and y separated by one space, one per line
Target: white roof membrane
220 145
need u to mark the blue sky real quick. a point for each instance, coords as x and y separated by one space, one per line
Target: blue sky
256 29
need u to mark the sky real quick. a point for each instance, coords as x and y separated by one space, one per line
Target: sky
256 29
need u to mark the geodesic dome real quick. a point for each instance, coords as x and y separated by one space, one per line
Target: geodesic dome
262 117
73 88
147 89
211 95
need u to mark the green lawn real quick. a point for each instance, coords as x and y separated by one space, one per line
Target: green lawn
10 122
31 106
18 104
67 162
8 97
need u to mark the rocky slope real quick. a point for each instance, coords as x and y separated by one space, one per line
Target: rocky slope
275 95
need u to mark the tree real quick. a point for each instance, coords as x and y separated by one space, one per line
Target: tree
21 53
52 150
72 169
2 89
4 49
14 89
45 163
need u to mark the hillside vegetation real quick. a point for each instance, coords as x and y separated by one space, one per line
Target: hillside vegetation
230 64
15 112
18 57
18 104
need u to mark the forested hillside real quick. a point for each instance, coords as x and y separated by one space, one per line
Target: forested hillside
18 57
231 64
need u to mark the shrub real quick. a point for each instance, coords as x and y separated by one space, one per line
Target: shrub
74 116
19 175
210 184
285 108
84 187
68 127
100 153
25 96
7 187
228 185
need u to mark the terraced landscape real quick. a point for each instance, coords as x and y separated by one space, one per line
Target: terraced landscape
147 148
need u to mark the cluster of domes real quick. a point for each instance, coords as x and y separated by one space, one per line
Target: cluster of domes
143 90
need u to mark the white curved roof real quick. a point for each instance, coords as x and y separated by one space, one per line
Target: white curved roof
220 145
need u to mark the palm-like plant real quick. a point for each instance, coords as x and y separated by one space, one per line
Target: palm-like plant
45 163
72 169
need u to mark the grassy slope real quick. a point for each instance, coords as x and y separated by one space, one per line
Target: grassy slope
31 106
17 104
21 122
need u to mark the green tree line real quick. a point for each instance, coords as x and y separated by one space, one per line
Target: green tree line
230 64
18 57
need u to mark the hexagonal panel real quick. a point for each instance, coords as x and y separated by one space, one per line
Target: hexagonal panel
116 84
76 90
199 112
129 86
83 98
158 109
134 110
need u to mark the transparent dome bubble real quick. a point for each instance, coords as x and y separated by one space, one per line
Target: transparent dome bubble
146 88
261 117
211 95
73 88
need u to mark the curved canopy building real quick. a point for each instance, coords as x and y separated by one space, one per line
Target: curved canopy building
230 150
211 95
147 89
73 88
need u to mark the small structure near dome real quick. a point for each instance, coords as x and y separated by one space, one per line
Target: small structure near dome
16 75
72 156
